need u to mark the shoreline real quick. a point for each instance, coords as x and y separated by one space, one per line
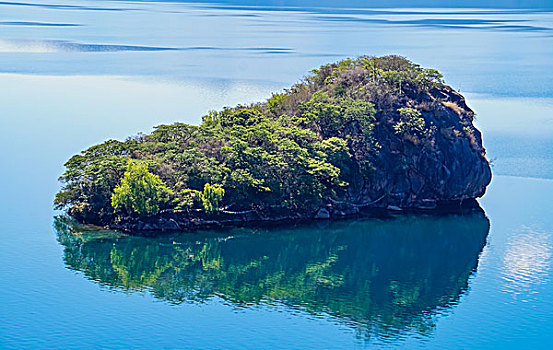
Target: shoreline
170 222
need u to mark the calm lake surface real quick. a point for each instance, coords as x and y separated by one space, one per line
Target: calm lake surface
75 73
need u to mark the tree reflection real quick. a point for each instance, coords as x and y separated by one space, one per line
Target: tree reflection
384 277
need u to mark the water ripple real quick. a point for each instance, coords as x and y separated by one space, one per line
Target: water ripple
60 7
38 24
527 261
444 23
45 46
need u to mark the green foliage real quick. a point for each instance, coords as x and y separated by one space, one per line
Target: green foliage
295 151
276 103
139 191
411 121
187 199
468 130
90 177
178 132
211 197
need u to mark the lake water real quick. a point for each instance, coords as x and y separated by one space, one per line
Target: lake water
75 73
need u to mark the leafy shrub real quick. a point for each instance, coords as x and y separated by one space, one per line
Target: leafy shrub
211 197
139 191
410 122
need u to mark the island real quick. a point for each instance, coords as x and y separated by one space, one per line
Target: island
362 136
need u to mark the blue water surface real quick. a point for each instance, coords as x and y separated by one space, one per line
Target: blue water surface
75 73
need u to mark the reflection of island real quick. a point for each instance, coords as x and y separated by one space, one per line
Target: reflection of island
382 276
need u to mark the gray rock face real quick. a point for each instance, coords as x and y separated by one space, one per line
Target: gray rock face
322 214
413 172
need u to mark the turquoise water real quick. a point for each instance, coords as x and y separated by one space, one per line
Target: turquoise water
74 73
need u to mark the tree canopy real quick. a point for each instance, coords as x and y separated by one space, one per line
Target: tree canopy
296 150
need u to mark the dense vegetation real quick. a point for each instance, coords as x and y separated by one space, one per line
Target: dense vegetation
297 150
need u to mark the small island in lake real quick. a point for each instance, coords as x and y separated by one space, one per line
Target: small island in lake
359 136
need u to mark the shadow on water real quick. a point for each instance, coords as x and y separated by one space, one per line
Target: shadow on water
384 278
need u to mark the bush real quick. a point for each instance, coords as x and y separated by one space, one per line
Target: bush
211 197
410 123
139 191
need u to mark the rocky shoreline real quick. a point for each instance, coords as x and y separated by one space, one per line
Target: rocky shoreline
171 221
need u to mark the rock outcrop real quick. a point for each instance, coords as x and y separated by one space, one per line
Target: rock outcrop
411 175
359 137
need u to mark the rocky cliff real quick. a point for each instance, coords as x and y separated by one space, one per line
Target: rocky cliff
413 173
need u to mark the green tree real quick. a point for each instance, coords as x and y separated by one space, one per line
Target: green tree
212 197
139 191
